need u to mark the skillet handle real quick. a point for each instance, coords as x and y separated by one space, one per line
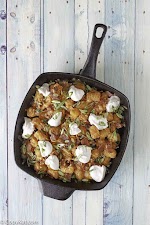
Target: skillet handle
89 68
56 192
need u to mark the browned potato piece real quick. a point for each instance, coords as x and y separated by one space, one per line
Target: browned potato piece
94 132
116 119
85 141
73 150
113 137
33 141
79 174
40 167
87 175
53 173
47 102
110 117
37 166
98 108
66 154
82 105
104 133
41 136
93 96
106 161
112 127
38 154
47 114
31 112
38 123
79 85
73 139
100 142
104 96
83 117
74 113
67 169
83 129
56 88
95 153
69 103
29 147
38 97
111 153
54 130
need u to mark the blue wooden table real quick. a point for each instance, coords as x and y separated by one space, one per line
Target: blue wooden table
55 35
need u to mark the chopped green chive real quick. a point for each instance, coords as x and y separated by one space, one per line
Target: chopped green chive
84 111
101 123
89 136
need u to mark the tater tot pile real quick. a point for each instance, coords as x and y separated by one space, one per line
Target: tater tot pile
70 130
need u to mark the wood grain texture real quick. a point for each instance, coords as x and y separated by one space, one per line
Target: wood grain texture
141 207
55 35
58 56
23 66
3 114
119 72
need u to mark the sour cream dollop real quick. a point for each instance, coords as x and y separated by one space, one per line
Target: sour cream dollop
44 90
53 162
98 121
45 148
97 172
55 121
83 153
75 94
113 103
74 129
28 128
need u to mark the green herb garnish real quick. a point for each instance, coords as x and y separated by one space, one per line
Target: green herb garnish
51 82
57 104
89 136
88 88
93 111
99 159
84 111
61 173
23 149
101 123
27 135
44 143
38 110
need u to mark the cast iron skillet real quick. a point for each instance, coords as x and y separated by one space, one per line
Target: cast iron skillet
55 188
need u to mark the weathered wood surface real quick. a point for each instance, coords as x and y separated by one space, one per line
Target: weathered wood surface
119 72
3 114
141 194
23 66
55 35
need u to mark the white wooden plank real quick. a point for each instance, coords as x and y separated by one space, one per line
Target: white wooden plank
141 212
94 199
81 34
58 56
59 36
23 66
3 114
119 72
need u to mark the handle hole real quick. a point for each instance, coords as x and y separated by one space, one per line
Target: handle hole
99 32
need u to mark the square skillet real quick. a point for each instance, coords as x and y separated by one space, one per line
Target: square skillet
55 188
